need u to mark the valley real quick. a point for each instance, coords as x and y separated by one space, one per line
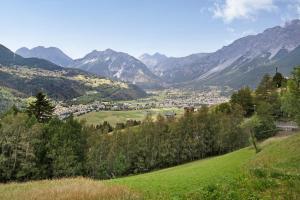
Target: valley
167 102
114 117
150 100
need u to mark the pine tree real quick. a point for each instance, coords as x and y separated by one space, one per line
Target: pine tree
278 79
41 108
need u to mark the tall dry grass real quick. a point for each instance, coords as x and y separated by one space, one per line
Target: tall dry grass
65 189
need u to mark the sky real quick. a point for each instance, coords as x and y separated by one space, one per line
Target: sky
172 27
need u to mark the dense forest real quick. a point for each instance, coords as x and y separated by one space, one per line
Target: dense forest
36 145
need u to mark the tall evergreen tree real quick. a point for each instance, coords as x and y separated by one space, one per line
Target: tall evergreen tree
278 80
41 108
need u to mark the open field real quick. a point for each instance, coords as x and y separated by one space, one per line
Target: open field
273 172
113 117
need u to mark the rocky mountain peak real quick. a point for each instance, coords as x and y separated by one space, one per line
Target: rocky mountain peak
116 65
52 54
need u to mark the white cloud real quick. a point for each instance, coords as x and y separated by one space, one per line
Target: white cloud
241 9
298 10
230 30
292 11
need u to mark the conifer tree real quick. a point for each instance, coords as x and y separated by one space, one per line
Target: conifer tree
278 79
41 108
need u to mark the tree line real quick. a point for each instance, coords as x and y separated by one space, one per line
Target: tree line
36 145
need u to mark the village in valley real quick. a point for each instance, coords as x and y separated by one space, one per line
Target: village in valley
163 99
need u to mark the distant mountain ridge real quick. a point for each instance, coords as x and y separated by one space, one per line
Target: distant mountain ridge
7 57
117 65
53 54
28 76
173 69
241 63
152 61
108 63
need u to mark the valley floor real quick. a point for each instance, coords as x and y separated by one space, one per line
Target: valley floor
273 172
114 117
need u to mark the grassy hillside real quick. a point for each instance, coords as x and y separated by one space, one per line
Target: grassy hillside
178 181
113 117
273 173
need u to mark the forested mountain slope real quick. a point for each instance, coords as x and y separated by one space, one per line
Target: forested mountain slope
30 75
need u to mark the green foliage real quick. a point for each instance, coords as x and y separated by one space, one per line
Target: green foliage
105 127
66 146
8 100
224 108
31 150
244 98
266 127
266 92
291 99
41 108
162 143
250 124
18 137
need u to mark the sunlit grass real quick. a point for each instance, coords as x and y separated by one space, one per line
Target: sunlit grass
177 182
65 189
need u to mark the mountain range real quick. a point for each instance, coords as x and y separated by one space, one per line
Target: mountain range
53 54
109 63
27 76
241 63
153 61
117 65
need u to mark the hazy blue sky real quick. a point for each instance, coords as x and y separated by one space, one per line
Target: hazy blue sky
172 27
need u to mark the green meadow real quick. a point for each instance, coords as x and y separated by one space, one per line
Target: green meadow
273 173
113 117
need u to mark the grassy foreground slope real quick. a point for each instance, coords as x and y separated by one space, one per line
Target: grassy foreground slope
178 181
273 173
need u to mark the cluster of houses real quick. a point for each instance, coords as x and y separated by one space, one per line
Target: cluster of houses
182 99
172 98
